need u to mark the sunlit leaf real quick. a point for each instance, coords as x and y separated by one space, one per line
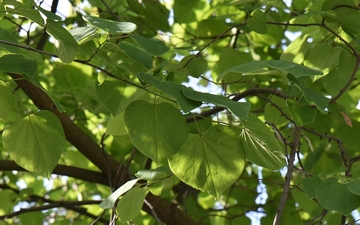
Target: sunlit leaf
158 131
109 202
261 146
109 26
35 142
210 161
80 33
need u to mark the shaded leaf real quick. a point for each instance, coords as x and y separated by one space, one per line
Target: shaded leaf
15 63
136 54
310 184
257 22
210 161
109 26
7 101
240 109
158 131
261 146
337 196
152 46
197 66
172 89
35 142
152 174
109 202
302 114
116 95
130 205
65 44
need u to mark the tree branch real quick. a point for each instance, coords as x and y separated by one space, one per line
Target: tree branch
286 189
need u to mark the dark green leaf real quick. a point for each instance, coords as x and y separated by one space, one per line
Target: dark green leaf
65 44
18 64
152 46
258 22
302 114
310 184
137 54
172 89
240 109
197 66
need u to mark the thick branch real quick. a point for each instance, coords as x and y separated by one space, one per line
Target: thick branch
70 171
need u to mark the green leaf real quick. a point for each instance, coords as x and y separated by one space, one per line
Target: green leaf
48 14
80 33
15 63
280 65
337 196
116 125
109 26
172 89
257 22
9 37
130 205
240 109
7 101
35 142
296 50
65 44
31 14
311 96
210 161
116 95
136 54
354 187
32 218
324 57
152 46
154 174
197 66
109 202
158 131
310 184
302 114
261 146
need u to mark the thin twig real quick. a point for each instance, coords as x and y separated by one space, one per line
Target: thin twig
286 189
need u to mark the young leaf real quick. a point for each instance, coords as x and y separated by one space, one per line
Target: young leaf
130 205
302 114
108 203
65 44
152 46
136 54
109 26
261 146
172 89
240 109
257 22
116 95
158 131
210 161
35 142
336 196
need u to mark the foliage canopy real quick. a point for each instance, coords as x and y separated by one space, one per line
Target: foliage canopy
179 112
